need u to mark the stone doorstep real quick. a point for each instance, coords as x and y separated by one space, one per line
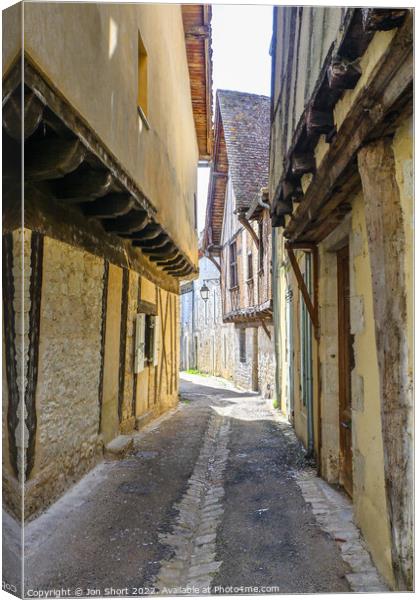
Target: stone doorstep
119 447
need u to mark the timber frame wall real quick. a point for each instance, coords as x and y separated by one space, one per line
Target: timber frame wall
312 195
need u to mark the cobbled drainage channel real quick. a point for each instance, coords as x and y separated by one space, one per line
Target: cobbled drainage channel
193 538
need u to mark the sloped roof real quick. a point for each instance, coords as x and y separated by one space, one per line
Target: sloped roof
241 149
197 27
246 126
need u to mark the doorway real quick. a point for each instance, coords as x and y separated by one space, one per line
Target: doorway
345 359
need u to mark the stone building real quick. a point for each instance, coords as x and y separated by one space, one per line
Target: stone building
116 115
207 344
342 208
238 232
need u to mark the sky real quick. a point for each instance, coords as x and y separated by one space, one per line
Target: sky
241 37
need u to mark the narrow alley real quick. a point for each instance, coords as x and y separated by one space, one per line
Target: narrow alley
208 499
208 299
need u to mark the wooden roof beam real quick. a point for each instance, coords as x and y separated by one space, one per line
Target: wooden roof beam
84 185
133 221
17 124
113 205
52 158
382 19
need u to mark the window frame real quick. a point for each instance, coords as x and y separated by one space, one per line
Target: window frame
242 345
233 264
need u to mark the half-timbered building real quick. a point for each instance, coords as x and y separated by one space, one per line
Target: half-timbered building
111 105
238 232
342 205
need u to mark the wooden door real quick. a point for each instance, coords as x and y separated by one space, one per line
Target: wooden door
345 353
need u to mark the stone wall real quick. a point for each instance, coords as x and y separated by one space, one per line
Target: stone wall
266 362
67 407
208 341
79 383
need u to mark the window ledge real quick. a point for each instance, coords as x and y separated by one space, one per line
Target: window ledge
143 117
234 288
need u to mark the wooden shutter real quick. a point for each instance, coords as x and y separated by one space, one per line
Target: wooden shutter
140 343
156 340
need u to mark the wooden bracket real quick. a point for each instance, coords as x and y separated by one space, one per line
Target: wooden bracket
243 221
214 261
264 326
311 306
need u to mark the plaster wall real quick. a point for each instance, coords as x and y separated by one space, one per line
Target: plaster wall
95 68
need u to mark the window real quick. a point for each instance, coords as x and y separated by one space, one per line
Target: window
233 265
242 345
261 246
148 339
250 270
142 81
147 342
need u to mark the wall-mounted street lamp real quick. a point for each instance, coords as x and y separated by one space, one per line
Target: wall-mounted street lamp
204 290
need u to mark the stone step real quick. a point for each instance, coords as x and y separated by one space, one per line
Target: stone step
119 447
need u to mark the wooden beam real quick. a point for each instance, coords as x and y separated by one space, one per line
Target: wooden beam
302 287
303 163
390 83
151 231
243 221
264 326
319 121
17 125
162 250
214 261
180 264
178 260
168 255
157 242
52 158
181 272
113 205
291 191
135 220
388 249
382 19
343 74
84 185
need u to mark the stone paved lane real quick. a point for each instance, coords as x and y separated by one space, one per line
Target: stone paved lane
211 498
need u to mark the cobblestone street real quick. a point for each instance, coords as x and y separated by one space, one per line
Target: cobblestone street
217 495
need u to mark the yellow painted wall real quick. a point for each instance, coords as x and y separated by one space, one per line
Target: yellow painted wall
368 461
95 68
